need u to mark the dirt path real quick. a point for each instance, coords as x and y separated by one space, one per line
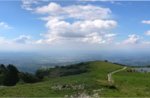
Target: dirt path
109 75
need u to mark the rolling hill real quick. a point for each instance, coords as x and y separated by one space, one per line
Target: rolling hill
94 82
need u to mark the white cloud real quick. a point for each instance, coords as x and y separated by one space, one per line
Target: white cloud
51 8
132 39
93 38
146 21
88 12
75 24
21 43
147 33
79 27
75 11
29 4
4 25
26 4
59 29
84 23
90 23
90 0
3 40
96 0
23 39
97 38
108 1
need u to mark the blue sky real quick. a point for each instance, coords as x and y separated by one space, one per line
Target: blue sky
21 21
36 24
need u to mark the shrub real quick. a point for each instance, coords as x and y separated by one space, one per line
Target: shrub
41 73
59 71
28 78
105 60
113 86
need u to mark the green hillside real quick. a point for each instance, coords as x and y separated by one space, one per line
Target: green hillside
92 82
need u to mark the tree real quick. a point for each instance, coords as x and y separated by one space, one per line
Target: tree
41 73
105 60
2 68
2 73
11 77
28 78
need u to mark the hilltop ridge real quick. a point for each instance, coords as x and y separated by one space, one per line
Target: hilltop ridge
91 82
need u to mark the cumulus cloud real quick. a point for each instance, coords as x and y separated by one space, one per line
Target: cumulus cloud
87 12
51 8
78 28
78 23
132 39
75 11
27 4
59 29
4 25
3 40
97 38
97 0
93 38
147 33
89 23
146 21
18 44
22 39
90 0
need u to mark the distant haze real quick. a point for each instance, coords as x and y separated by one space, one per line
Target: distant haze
30 61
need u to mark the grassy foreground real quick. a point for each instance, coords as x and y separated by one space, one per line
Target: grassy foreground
95 80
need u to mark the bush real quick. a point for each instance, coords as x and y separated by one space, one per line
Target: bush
105 60
59 71
28 78
41 73
113 86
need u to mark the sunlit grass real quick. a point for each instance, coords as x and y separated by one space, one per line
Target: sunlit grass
127 83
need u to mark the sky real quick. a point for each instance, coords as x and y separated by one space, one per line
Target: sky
81 25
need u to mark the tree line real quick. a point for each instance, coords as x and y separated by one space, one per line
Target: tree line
10 75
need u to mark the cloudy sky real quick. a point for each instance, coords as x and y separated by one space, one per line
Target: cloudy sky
31 25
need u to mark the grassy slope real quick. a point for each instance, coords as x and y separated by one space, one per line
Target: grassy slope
128 84
133 84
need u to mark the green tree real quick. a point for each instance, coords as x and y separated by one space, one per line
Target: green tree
11 76
2 73
28 78
41 73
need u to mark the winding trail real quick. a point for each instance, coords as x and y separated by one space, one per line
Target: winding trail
109 75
